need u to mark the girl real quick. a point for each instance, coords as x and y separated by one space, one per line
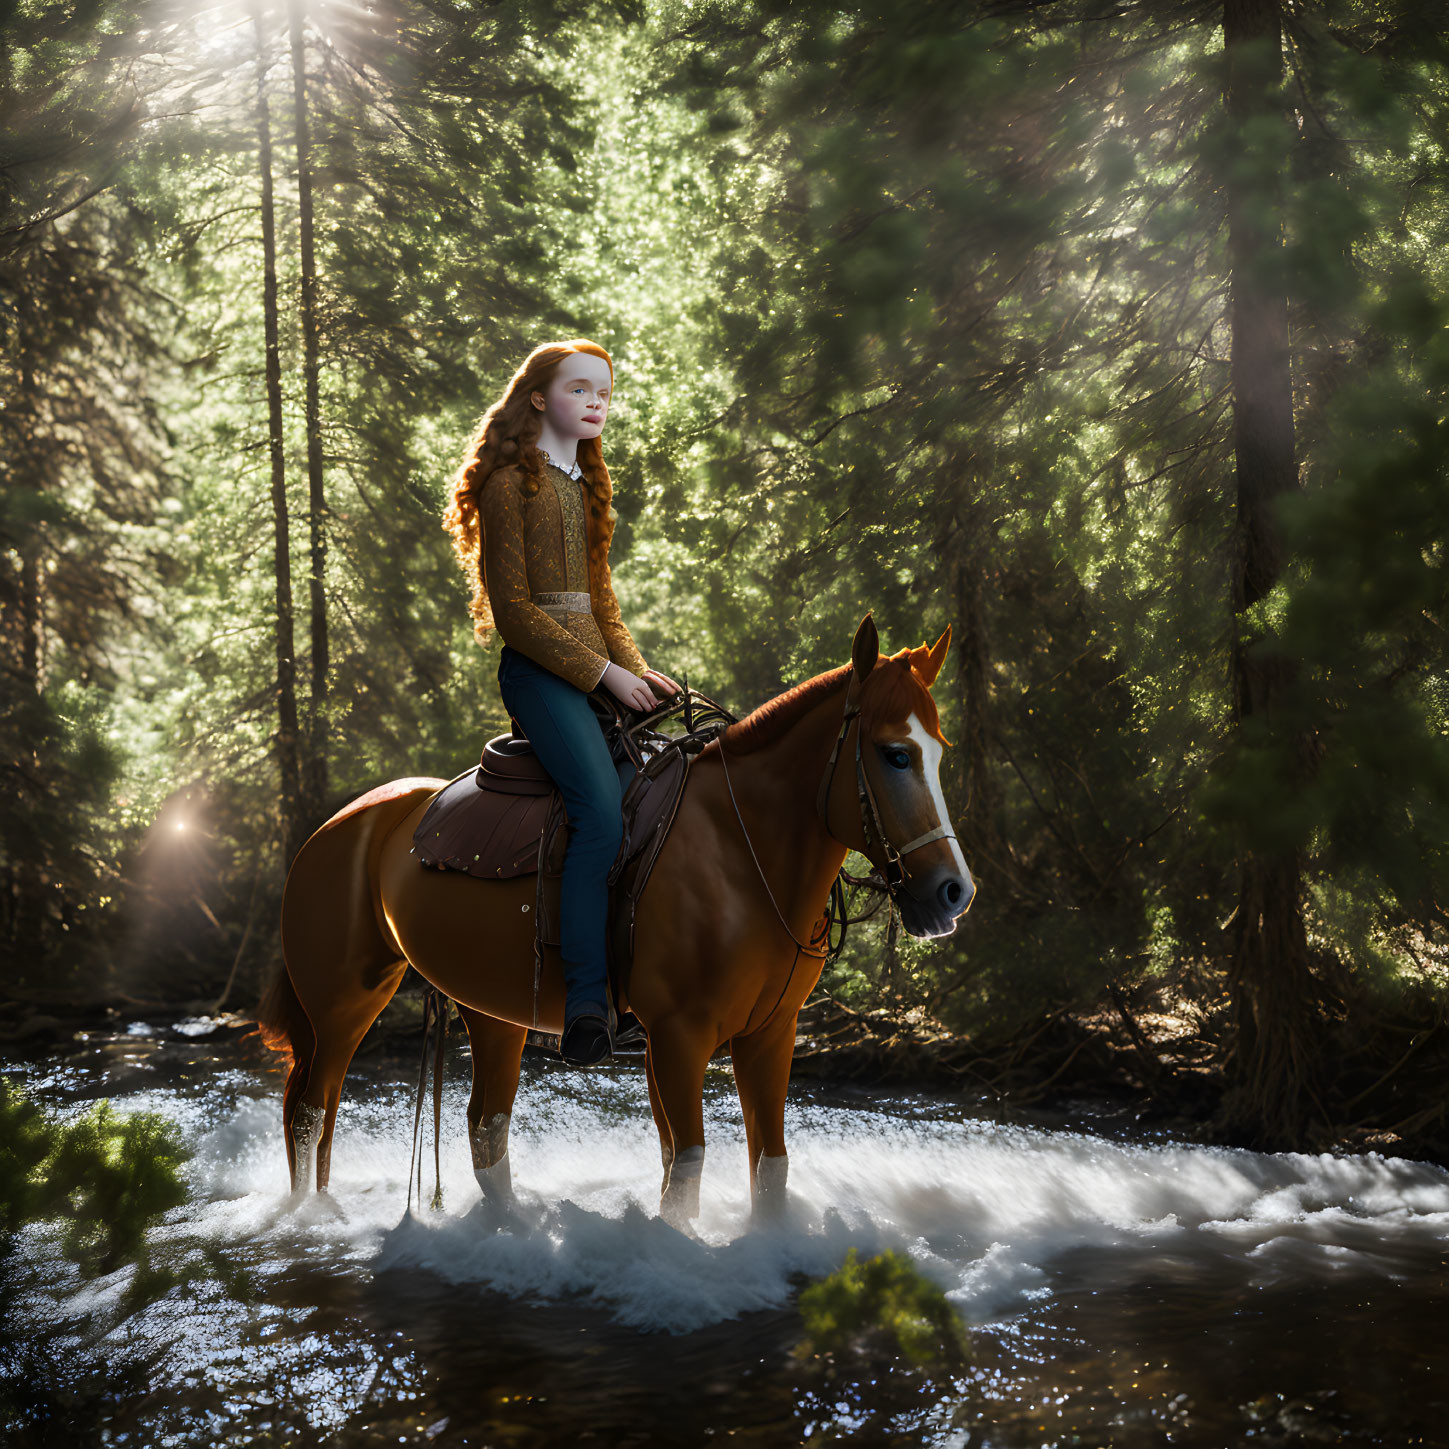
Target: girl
531 520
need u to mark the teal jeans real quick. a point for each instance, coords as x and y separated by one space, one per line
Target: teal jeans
568 738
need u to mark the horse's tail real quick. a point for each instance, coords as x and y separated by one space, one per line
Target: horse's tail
284 1026
282 1023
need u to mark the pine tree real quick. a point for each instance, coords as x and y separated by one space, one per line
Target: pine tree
82 472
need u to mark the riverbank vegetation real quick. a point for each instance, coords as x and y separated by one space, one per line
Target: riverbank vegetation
77 1201
1113 336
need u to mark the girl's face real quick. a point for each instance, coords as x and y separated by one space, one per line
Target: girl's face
576 402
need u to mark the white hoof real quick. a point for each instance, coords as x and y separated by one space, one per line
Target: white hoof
496 1181
770 1177
679 1203
489 1142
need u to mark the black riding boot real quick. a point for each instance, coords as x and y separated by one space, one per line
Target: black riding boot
588 1034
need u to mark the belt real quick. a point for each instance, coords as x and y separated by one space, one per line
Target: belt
564 603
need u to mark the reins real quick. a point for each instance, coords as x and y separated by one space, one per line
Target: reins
801 947
799 944
704 720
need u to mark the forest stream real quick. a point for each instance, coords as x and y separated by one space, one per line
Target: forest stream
1118 1288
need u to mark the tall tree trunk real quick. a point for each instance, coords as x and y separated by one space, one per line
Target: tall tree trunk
1273 1060
25 664
28 906
316 770
294 817
973 645
32 616
25 470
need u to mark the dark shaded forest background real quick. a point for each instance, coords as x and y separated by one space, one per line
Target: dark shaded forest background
1113 335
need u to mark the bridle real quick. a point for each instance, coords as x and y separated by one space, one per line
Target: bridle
892 872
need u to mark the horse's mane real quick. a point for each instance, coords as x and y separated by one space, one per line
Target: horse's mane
771 719
890 695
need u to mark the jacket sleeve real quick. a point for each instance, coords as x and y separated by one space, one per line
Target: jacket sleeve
523 625
617 639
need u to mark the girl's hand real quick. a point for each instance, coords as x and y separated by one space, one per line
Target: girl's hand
627 687
663 684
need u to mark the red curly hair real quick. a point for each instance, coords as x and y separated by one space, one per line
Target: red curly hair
508 438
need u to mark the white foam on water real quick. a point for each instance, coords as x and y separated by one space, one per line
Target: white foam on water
986 1211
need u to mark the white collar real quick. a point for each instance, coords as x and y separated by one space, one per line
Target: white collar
574 472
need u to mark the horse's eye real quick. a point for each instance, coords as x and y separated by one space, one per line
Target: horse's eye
896 757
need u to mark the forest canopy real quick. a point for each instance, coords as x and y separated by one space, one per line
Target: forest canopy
1112 335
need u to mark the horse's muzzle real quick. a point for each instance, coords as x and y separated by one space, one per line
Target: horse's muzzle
941 902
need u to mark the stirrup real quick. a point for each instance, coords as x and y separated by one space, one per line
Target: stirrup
630 1032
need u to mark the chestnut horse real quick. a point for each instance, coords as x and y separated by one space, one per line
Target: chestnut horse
846 760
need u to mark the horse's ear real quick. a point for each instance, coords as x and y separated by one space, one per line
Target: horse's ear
930 667
866 648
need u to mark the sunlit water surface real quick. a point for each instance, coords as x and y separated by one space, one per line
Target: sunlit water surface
1118 1292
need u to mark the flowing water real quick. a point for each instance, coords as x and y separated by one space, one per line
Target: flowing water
1117 1291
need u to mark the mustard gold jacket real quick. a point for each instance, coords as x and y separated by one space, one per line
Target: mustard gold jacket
545 599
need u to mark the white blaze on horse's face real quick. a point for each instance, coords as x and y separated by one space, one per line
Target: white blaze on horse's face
938 887
931 752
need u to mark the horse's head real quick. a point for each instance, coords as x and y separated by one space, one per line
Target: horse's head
903 828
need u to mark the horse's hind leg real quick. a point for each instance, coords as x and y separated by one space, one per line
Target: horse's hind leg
339 1031
285 1027
342 960
336 1045
497 1056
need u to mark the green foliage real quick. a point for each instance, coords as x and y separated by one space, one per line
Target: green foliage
886 1304
59 836
81 479
83 1197
105 1179
1359 616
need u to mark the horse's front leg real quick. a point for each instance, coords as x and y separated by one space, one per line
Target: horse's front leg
680 1047
497 1056
762 1077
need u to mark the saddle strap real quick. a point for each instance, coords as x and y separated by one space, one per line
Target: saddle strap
546 929
632 870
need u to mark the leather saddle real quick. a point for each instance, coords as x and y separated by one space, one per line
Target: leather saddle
506 818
